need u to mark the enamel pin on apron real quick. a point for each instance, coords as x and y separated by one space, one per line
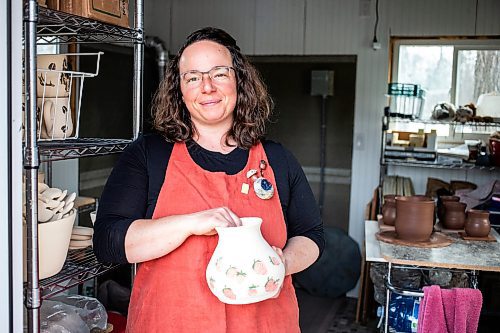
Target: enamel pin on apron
262 187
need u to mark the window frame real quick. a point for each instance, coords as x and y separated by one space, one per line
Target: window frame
458 44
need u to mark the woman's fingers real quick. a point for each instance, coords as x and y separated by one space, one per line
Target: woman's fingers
232 217
206 221
279 252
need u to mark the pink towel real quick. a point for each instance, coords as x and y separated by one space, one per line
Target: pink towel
453 311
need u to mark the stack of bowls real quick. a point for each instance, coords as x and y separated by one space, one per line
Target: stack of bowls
81 238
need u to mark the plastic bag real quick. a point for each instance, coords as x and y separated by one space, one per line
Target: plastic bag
57 317
403 313
73 314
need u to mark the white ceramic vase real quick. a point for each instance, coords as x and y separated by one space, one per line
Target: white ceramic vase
244 268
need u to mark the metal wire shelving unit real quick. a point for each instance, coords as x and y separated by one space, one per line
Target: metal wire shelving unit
69 28
80 266
456 127
435 165
74 148
46 26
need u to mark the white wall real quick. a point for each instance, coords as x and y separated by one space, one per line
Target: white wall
331 27
11 293
4 177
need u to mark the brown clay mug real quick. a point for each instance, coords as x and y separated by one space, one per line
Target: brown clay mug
477 223
440 205
454 215
414 218
389 209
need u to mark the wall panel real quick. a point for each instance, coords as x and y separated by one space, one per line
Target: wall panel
333 27
431 18
488 14
156 12
237 17
279 27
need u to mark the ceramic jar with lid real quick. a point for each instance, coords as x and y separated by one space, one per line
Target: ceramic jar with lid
477 223
454 215
389 209
414 218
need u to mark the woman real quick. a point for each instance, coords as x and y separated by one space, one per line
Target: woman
168 192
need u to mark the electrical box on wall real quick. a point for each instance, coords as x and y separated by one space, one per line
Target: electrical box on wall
321 83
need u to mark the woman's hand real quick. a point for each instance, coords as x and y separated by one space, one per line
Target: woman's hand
204 222
151 239
280 254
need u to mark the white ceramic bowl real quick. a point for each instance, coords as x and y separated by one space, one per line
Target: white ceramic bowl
53 243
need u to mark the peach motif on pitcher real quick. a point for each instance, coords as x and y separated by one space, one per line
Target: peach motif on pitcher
244 268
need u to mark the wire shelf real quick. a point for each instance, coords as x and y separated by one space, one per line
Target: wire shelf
495 123
58 108
55 27
423 164
56 150
81 265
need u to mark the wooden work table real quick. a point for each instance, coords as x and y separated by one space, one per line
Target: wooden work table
461 254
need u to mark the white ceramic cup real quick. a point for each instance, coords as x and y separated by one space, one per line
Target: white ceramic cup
93 216
51 82
56 115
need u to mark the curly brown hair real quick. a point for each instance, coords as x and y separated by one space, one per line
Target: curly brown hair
253 106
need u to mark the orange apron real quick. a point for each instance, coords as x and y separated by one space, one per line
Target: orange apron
170 294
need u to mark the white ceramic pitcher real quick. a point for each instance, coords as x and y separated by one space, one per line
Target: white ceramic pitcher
244 268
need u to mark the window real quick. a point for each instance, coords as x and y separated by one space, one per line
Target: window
456 71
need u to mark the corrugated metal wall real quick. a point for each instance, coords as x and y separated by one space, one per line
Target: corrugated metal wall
334 27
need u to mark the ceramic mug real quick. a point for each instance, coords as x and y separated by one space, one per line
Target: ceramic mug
93 216
51 82
56 114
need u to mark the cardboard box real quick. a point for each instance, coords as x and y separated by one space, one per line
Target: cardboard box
109 11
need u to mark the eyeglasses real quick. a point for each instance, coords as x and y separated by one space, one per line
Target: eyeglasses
218 74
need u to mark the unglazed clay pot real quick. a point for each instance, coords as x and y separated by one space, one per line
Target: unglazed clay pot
477 223
53 244
454 215
389 209
440 204
414 218
244 268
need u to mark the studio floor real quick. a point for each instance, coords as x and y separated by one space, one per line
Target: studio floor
329 315
338 315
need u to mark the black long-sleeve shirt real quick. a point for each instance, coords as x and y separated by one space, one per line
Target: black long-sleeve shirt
133 187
